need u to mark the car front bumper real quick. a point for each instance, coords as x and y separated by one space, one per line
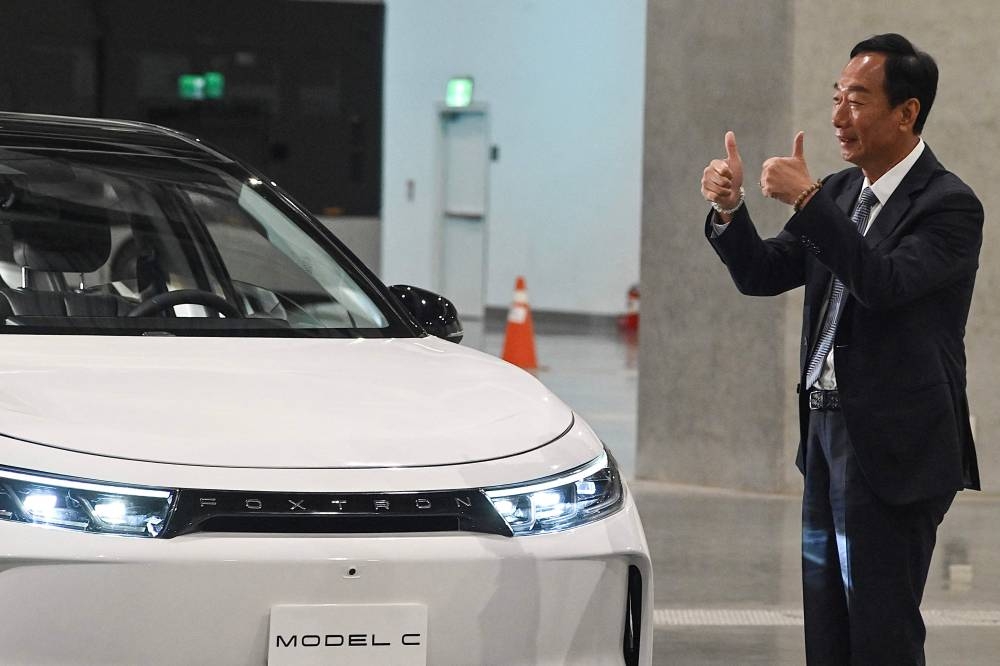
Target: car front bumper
76 598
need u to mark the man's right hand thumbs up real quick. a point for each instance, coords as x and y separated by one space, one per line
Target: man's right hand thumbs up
722 179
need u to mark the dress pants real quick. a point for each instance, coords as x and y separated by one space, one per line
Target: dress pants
864 562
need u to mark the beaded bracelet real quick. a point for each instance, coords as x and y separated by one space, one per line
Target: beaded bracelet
806 192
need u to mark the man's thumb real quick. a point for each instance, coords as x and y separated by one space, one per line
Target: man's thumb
797 145
732 153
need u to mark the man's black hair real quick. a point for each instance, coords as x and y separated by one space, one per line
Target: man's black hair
909 72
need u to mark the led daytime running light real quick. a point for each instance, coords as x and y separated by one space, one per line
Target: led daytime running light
592 468
84 485
559 503
81 505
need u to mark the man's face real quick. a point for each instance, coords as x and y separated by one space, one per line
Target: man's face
871 133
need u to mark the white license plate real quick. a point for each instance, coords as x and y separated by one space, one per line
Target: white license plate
348 635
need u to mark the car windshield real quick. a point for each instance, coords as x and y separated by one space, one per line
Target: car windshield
103 242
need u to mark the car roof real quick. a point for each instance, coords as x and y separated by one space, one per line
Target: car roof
29 130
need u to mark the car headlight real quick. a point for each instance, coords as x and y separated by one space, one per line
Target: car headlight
562 502
77 504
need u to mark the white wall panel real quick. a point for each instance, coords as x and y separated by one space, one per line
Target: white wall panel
563 81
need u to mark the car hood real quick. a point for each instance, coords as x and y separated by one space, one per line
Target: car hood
272 402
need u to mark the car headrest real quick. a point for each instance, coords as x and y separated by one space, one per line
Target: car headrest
60 245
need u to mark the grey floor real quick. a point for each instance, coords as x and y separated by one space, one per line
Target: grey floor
727 563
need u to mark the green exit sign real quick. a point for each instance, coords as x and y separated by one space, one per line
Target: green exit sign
210 85
459 91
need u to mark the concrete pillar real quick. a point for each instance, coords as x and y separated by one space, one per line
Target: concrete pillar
712 388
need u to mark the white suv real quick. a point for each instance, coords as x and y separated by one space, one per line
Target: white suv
224 441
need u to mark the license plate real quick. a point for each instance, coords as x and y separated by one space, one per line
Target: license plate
348 635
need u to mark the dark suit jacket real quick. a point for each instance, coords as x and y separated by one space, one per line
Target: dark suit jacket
899 348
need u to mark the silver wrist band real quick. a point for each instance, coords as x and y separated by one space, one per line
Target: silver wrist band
724 211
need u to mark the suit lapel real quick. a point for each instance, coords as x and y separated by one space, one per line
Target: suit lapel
848 197
819 276
895 208
888 219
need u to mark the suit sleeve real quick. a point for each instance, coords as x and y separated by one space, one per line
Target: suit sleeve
758 267
939 243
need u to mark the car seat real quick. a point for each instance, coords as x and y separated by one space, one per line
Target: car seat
44 250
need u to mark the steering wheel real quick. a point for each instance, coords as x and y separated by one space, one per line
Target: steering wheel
169 299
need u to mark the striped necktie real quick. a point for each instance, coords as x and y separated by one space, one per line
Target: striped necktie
825 341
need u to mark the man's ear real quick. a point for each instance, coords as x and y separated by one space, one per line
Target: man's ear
908 112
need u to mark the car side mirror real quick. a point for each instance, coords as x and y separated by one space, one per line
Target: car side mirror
435 313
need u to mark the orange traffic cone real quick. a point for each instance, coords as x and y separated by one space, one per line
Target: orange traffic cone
519 341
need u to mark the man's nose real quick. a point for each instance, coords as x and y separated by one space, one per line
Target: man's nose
839 117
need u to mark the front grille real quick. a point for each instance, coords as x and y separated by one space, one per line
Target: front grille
330 524
333 513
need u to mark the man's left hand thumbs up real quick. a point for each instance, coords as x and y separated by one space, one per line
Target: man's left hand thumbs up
797 146
785 178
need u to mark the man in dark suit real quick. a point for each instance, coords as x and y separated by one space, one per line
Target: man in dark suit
888 253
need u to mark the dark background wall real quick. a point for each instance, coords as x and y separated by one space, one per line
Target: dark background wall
303 80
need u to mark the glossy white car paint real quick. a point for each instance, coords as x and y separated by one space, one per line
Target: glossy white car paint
205 599
271 402
172 412
258 402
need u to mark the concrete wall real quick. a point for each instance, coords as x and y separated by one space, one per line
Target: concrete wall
716 401
563 81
